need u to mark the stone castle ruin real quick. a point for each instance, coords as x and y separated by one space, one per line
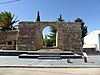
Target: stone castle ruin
28 37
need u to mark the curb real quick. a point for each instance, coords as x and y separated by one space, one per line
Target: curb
82 66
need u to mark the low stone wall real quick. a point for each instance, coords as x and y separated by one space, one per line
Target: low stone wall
8 36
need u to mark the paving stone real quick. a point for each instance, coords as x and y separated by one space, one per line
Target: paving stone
93 60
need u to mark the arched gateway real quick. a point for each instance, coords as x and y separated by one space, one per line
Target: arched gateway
68 35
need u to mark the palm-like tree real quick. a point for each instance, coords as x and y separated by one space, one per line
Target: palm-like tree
7 20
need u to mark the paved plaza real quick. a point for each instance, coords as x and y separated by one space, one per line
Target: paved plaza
14 61
12 65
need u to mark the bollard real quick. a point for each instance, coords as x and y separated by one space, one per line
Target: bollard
68 60
85 57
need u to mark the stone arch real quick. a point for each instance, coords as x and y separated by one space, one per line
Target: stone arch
42 26
69 35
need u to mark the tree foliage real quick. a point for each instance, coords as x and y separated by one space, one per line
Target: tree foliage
50 40
52 35
83 27
60 18
38 17
7 19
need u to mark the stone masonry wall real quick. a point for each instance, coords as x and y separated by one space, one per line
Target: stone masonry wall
72 36
27 36
30 35
8 36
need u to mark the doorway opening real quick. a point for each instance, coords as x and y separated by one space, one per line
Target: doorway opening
50 37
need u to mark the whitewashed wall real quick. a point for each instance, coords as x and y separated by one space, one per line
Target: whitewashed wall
93 38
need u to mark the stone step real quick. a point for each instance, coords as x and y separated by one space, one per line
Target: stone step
34 52
49 57
41 54
28 56
75 56
11 53
71 56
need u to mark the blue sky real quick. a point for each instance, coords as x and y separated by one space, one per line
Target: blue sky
26 10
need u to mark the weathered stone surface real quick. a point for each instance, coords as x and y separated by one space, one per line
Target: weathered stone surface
30 35
6 37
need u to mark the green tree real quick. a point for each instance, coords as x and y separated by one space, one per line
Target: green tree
52 36
47 42
50 40
60 18
7 20
83 27
38 17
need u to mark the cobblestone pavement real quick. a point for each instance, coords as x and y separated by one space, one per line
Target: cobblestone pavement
49 71
93 61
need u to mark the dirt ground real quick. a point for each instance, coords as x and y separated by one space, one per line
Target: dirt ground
49 71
